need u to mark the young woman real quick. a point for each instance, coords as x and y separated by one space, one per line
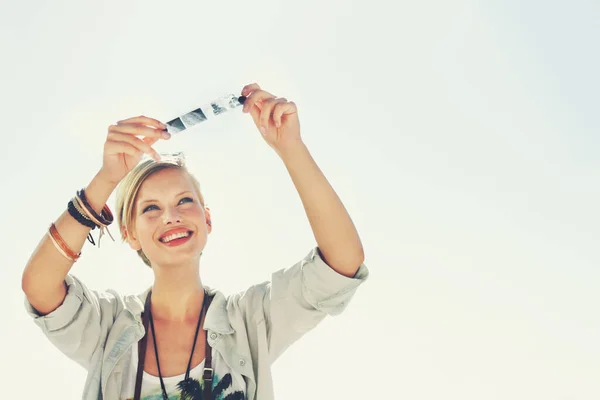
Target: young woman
181 339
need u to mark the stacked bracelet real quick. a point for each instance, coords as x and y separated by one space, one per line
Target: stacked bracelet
81 210
80 216
62 247
105 217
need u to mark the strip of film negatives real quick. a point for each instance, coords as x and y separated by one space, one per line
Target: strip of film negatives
216 107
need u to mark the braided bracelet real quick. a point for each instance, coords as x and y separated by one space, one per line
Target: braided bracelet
80 217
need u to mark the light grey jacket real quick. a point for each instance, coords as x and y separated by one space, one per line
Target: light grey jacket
250 329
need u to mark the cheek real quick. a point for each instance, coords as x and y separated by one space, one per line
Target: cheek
195 212
144 227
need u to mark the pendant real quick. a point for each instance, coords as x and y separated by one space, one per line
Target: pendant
190 389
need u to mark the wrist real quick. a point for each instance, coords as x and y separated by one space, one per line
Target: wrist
292 151
99 190
102 178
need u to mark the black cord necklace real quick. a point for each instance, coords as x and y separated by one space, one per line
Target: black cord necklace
187 372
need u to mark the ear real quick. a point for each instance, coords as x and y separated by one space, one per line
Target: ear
208 219
133 242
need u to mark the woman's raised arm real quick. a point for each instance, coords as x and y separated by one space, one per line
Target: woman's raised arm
43 279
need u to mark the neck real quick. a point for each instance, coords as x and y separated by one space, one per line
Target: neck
177 294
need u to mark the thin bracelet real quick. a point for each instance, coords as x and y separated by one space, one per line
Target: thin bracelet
60 244
99 220
105 217
87 212
93 216
58 248
103 220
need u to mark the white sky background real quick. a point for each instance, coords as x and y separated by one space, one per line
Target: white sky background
463 138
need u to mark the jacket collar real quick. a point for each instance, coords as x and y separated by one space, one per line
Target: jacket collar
217 318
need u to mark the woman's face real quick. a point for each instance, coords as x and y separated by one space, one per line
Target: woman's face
170 224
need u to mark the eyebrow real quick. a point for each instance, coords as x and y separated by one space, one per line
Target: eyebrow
156 201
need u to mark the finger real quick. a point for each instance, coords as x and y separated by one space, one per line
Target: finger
149 141
139 130
267 111
281 109
118 147
142 146
254 98
144 121
249 89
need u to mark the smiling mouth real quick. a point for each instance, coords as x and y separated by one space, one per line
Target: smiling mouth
176 238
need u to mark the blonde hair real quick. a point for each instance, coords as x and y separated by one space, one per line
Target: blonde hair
129 187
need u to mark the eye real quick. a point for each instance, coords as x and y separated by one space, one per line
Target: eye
150 208
186 200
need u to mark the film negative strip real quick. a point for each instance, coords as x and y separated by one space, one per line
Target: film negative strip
216 107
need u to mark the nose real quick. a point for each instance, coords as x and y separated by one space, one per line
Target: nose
171 215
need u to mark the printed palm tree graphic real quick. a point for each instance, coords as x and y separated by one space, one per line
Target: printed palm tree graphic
192 390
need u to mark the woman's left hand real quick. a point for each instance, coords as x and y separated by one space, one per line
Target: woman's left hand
275 117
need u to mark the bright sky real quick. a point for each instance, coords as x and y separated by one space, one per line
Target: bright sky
462 137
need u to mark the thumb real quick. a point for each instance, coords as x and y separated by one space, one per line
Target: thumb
255 113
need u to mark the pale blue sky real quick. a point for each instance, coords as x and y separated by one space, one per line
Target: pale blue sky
462 136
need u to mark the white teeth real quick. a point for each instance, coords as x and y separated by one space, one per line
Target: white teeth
167 239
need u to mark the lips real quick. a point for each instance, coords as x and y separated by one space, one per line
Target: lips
175 236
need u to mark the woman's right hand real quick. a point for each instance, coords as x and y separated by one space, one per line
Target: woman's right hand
123 149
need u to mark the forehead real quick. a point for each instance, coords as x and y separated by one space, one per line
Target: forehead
165 183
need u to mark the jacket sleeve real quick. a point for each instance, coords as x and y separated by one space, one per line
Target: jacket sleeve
300 297
80 325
